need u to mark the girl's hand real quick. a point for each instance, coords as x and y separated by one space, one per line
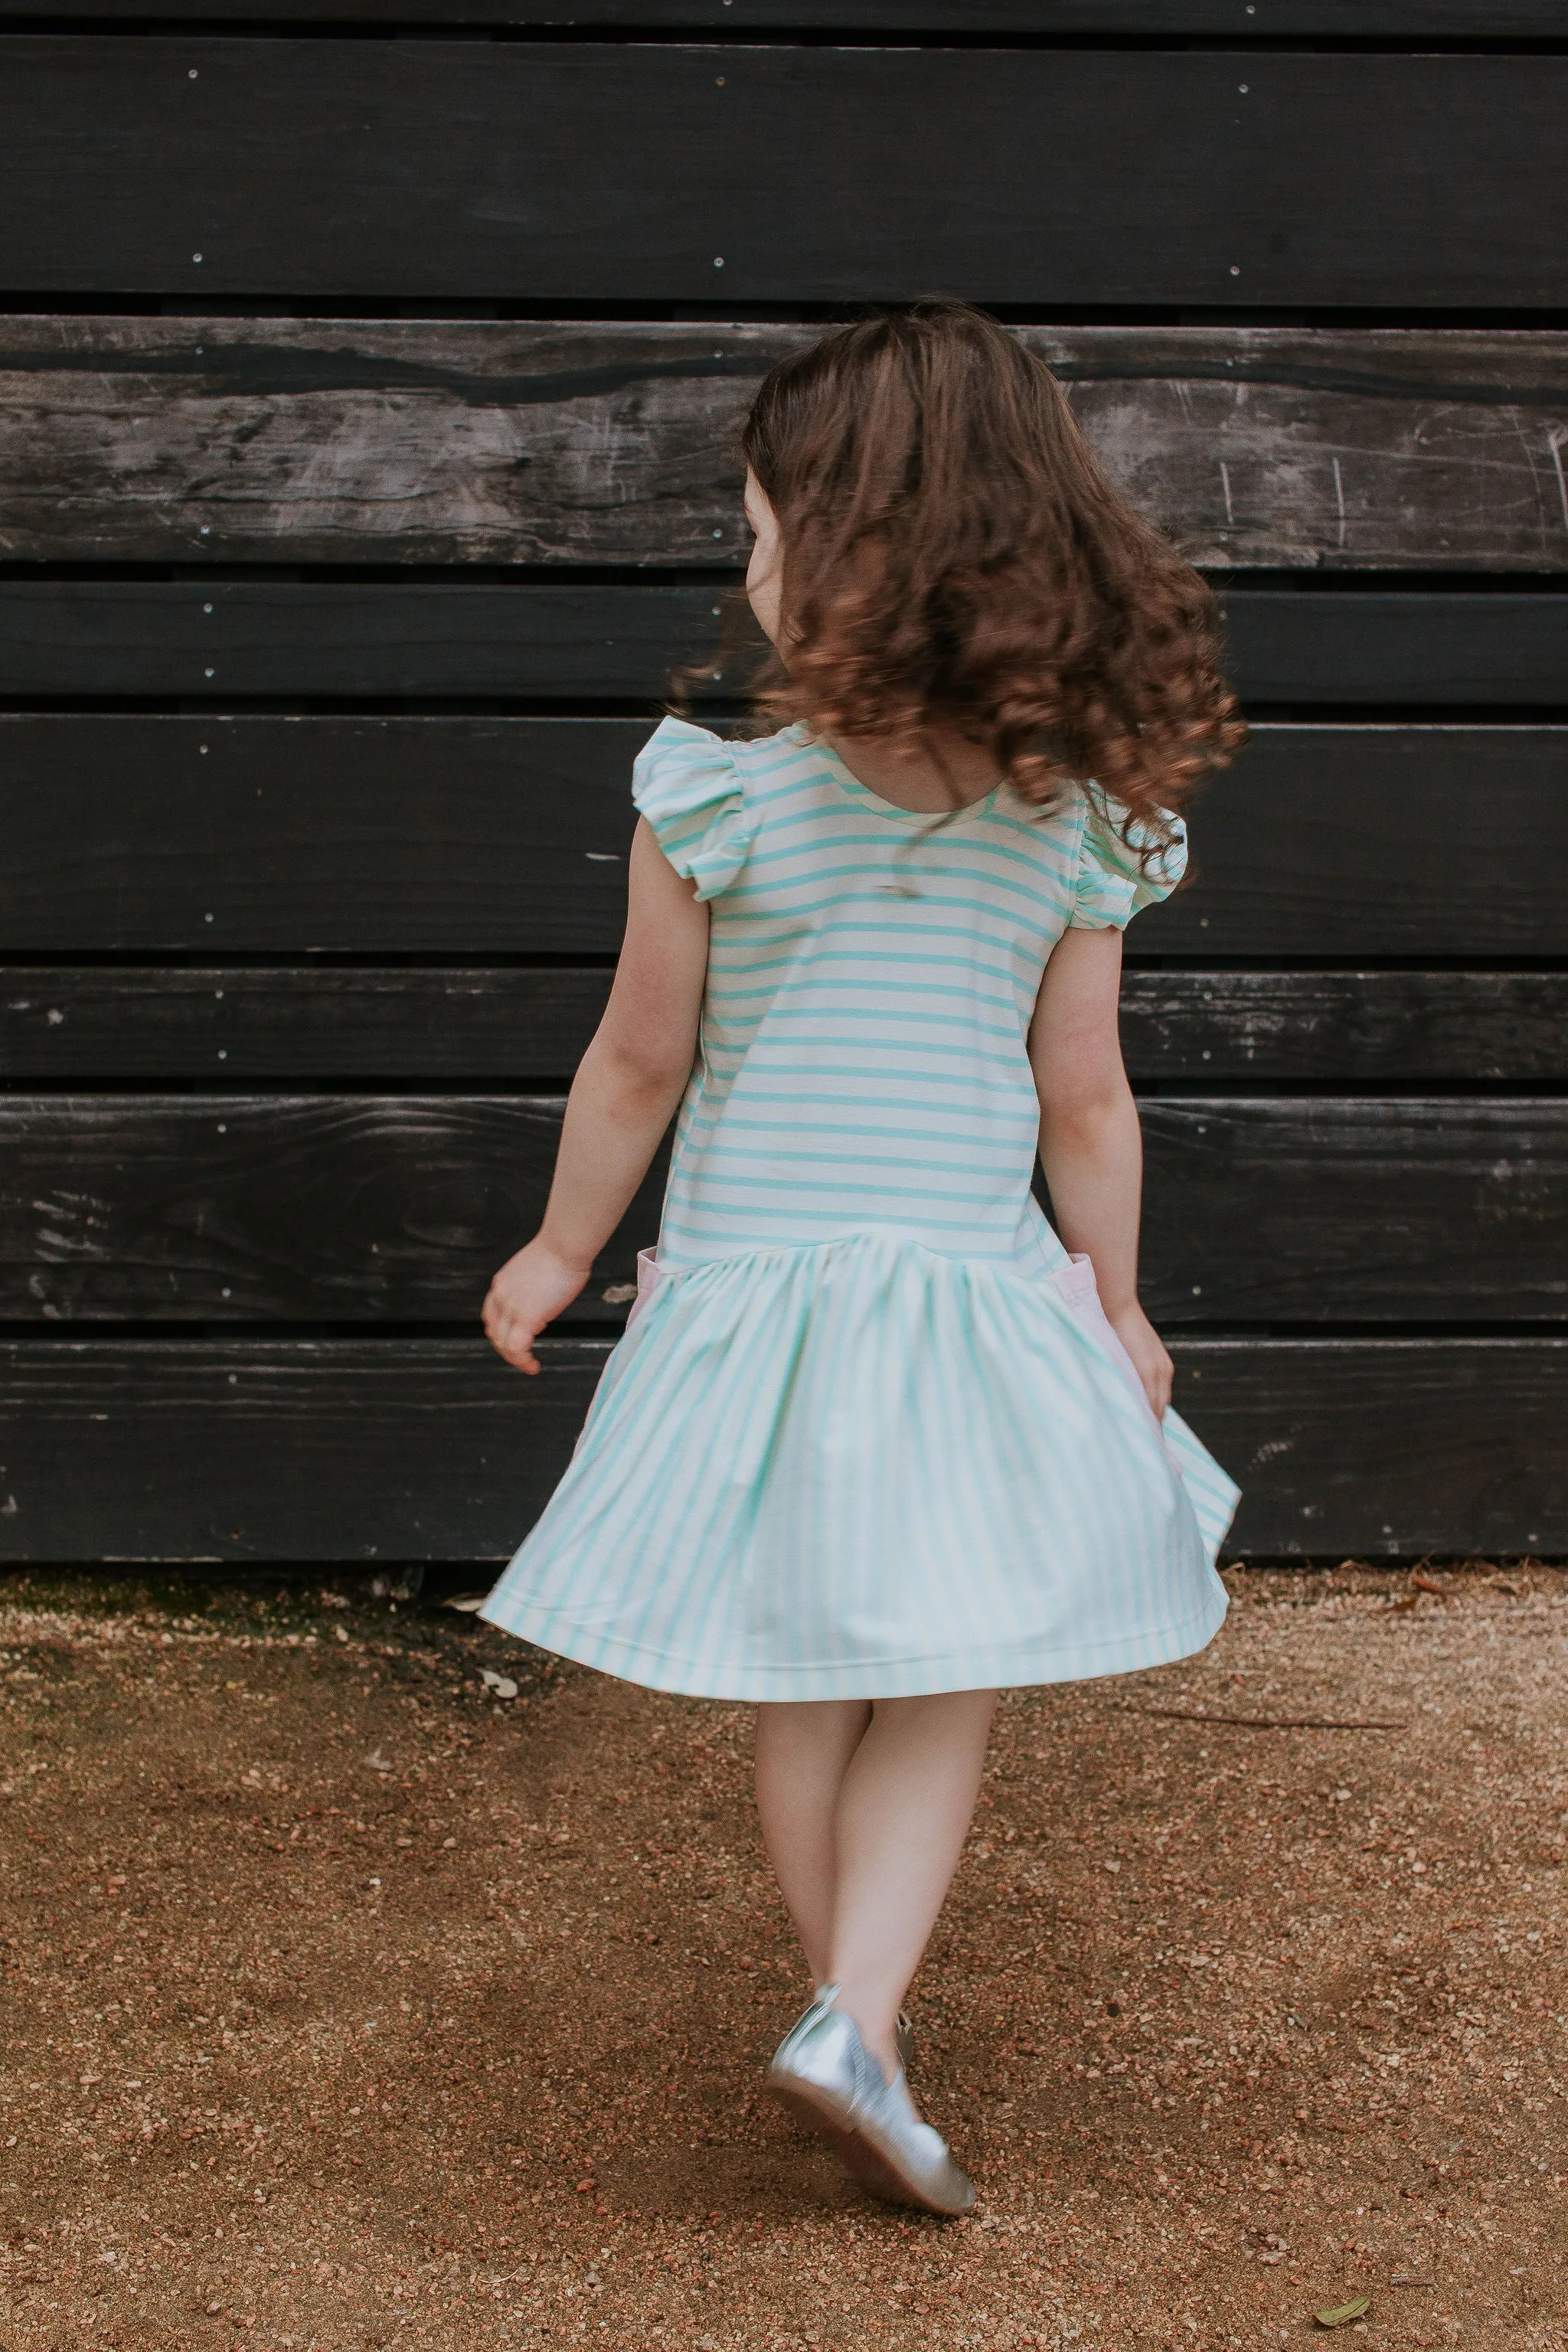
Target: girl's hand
1151 1360
529 1292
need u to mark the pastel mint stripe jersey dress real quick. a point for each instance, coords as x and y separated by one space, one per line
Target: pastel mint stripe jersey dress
869 1433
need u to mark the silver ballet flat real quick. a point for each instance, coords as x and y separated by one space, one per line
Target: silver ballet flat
824 2073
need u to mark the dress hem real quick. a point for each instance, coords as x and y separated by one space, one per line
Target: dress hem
1006 1667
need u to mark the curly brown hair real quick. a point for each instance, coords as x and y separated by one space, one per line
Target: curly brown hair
953 557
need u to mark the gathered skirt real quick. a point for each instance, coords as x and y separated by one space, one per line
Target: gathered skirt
862 1469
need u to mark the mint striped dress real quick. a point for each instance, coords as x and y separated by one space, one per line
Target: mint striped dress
869 1433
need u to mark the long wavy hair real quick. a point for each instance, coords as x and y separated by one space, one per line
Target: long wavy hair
955 558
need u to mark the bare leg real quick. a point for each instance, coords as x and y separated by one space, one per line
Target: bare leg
903 1813
804 1750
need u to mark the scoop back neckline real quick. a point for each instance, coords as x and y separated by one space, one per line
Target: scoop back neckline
850 783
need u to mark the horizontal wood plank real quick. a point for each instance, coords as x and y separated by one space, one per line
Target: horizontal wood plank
245 1209
508 837
408 1027
1327 841
363 441
367 1450
236 1022
364 642
447 836
397 1209
1397 647
650 172
1385 1447
1471 20
1355 1029
282 1450
222 640
1352 1210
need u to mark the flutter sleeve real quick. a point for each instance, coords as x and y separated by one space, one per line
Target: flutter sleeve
689 786
1112 886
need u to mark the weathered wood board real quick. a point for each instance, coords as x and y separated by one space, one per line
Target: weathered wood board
1473 20
326 643
1350 1029
438 836
570 644
317 1209
348 1209
192 1450
185 440
649 171
527 1025
479 838
404 1026
1326 841
1398 1447
1350 1210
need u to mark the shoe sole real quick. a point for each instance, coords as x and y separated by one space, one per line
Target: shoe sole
863 2150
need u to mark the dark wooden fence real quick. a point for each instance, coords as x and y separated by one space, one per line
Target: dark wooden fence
367 378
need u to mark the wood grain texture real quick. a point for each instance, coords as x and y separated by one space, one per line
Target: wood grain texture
360 642
508 837
348 440
434 1450
315 1209
570 643
425 1451
405 1027
390 1022
1397 647
1398 1447
1352 1029
1471 20
1326 841
447 836
650 172
1354 1211
356 1209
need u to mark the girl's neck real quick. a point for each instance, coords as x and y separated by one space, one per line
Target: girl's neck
952 773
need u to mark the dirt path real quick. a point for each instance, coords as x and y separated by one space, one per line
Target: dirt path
348 2005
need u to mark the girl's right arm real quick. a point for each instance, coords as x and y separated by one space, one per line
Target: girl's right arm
629 1084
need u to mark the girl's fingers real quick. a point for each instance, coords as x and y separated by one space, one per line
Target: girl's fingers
512 1341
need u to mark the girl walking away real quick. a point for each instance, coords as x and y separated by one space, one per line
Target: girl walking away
877 1441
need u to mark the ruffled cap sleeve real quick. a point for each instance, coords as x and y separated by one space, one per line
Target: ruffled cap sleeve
688 785
1112 886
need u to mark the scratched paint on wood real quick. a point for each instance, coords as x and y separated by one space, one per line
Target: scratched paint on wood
336 440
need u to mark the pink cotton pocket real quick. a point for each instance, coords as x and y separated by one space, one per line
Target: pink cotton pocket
649 1273
1075 1282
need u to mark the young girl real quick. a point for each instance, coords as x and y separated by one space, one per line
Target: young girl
876 1442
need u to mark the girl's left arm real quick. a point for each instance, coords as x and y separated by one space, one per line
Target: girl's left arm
625 1094
1091 1144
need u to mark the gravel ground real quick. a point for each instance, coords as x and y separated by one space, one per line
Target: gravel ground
350 2004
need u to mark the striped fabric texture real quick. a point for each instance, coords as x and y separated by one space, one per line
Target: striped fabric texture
871 975
870 1434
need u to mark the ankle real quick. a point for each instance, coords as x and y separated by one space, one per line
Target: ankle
877 2029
